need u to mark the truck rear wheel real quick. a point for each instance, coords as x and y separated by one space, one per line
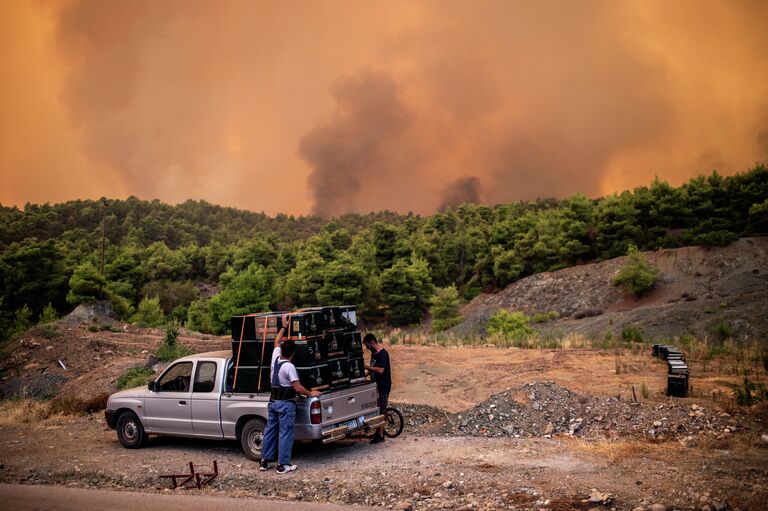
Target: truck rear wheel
251 438
130 431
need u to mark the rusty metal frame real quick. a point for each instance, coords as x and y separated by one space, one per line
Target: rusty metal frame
199 479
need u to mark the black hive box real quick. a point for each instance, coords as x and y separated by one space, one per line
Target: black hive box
248 378
315 377
306 323
254 328
677 385
247 331
309 352
353 343
255 353
349 317
356 369
677 367
334 345
338 369
326 318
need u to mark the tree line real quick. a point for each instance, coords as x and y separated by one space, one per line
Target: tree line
202 263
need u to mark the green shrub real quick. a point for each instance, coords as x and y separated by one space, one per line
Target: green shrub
723 330
637 276
543 317
198 318
631 334
644 391
22 322
510 325
134 377
49 332
166 353
48 315
445 308
171 349
171 333
149 313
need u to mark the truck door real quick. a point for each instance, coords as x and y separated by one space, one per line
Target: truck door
205 400
169 410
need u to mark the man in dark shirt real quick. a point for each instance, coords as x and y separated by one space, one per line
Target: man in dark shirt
382 375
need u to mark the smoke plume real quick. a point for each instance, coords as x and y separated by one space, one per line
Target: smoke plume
337 106
349 152
463 190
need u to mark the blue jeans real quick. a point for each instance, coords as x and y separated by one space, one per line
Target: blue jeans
282 420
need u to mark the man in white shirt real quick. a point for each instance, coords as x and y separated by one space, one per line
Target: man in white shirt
282 405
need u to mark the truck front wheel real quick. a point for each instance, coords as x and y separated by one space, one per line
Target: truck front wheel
251 438
130 432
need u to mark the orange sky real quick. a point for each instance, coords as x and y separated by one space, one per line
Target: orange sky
329 107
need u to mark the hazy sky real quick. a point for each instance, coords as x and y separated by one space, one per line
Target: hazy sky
329 107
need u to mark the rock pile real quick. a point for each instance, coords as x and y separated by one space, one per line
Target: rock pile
542 409
421 417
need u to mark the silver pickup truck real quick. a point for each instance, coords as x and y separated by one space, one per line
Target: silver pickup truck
191 398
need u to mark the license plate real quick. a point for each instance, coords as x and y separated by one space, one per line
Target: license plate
355 423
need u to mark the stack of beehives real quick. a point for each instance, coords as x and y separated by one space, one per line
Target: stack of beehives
329 350
677 369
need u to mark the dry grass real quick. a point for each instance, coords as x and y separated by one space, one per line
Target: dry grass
28 411
23 411
616 451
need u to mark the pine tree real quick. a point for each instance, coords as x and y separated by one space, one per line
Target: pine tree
85 285
636 276
445 308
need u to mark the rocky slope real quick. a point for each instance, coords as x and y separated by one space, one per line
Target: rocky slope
698 288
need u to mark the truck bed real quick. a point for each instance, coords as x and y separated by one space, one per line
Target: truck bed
343 411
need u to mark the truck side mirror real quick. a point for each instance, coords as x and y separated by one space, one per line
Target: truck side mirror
153 386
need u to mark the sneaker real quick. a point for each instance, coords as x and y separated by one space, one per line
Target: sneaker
377 439
264 465
284 469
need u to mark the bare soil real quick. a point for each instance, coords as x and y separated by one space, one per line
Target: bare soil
429 467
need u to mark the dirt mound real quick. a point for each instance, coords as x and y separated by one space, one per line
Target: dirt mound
542 409
698 289
83 354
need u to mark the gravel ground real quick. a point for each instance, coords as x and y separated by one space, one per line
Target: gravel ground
543 409
431 466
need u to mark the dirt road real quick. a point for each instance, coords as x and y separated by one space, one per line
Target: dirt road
425 472
54 498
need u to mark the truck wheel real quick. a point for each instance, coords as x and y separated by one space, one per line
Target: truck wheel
251 438
130 432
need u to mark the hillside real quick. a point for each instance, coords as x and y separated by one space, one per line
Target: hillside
699 288
206 263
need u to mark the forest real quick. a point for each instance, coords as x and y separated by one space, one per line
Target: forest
198 264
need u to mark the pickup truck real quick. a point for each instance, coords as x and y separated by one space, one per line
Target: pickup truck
178 404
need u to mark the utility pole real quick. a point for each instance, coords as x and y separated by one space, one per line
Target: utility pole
103 236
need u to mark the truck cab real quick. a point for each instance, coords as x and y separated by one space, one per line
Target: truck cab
193 397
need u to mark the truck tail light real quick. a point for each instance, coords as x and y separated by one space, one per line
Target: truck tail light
315 413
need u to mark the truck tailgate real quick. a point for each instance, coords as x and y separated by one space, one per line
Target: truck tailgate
349 403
